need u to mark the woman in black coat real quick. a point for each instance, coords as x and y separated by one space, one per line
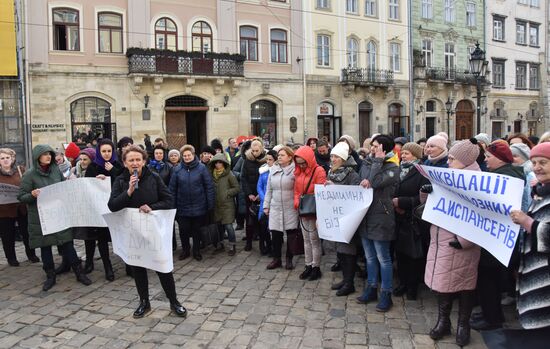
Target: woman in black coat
151 195
410 245
159 166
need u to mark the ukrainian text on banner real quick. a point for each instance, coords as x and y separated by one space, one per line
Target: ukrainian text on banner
475 205
8 194
143 239
73 203
340 209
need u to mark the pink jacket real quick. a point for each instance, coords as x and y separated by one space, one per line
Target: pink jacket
449 270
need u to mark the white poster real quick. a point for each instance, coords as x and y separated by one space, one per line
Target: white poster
476 206
340 210
8 194
143 239
73 203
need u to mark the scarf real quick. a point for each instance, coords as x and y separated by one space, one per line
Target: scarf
218 173
65 168
156 165
10 172
79 171
541 190
406 166
339 174
439 157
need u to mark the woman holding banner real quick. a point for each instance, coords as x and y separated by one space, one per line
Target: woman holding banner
45 172
150 194
451 268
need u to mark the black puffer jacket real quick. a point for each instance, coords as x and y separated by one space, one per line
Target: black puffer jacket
250 172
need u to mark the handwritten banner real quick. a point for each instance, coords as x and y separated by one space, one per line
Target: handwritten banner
73 203
476 206
340 210
143 239
8 194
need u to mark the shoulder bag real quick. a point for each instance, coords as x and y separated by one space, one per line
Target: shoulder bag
306 206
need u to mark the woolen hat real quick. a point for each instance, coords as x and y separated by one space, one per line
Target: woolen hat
341 150
439 140
465 151
124 141
208 149
400 140
542 149
72 151
89 152
483 138
416 149
174 151
522 150
502 151
349 140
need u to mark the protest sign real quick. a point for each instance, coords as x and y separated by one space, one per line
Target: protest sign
340 209
8 194
476 206
143 239
73 203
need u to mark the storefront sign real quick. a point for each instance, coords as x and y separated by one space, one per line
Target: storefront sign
48 127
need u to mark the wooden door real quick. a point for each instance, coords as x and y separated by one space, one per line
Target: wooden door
464 120
365 112
176 129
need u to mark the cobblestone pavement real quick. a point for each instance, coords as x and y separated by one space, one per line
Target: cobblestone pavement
233 302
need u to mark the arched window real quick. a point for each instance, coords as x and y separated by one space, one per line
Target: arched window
166 34
371 55
91 119
279 44
110 32
66 23
249 42
263 114
202 37
353 53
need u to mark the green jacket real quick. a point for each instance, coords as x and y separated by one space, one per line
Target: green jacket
226 189
33 179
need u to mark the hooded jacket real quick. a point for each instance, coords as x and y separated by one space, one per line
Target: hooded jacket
37 178
227 187
262 186
279 198
302 176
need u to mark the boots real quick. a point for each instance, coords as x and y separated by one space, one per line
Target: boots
385 302
143 308
443 325
465 305
63 268
80 276
306 273
369 294
88 266
31 255
50 280
288 264
109 273
178 309
348 272
275 263
232 251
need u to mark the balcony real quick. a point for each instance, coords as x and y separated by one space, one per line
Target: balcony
367 77
452 76
165 62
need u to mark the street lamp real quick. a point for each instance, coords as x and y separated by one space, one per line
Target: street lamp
478 66
449 107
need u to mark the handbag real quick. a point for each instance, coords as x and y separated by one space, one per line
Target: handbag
295 242
306 205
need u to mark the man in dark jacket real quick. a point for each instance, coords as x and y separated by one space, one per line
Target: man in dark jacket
322 155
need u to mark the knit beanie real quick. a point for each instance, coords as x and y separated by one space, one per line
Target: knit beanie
465 151
89 152
400 140
174 151
349 140
439 140
341 150
542 149
415 149
216 144
124 141
72 151
483 138
208 149
502 151
522 150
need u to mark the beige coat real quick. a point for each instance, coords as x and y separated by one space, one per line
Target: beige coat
279 198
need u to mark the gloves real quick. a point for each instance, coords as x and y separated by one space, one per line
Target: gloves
455 244
426 188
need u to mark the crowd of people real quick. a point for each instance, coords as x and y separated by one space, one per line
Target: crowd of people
246 187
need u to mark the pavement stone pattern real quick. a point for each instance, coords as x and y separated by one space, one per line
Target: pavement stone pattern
233 302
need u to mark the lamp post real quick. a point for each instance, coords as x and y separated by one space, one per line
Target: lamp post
478 66
449 107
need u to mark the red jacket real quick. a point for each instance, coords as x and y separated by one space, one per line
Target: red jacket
302 176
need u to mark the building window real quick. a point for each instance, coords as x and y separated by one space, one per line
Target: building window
523 2
533 34
351 6
323 50
449 11
449 59
535 3
395 57
370 8
166 34
110 32
353 53
521 75
394 9
498 28
249 42
66 29
427 52
430 106
202 37
534 76
263 115
521 32
427 9
91 119
371 55
498 73
278 46
323 4
470 14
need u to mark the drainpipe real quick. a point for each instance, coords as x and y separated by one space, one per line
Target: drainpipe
412 125
22 73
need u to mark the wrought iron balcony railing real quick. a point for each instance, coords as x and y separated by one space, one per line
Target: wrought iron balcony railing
152 61
446 75
367 77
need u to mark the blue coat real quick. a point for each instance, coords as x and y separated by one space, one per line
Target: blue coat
193 189
261 187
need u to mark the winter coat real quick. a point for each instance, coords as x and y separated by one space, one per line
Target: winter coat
323 161
302 177
534 270
233 158
261 187
250 173
94 170
227 187
152 192
165 171
450 270
412 234
438 163
383 175
36 178
13 178
193 189
279 198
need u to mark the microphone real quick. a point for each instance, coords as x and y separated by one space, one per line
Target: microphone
137 183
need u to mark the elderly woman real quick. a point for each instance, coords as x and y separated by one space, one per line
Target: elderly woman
451 268
11 174
174 157
436 150
152 195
